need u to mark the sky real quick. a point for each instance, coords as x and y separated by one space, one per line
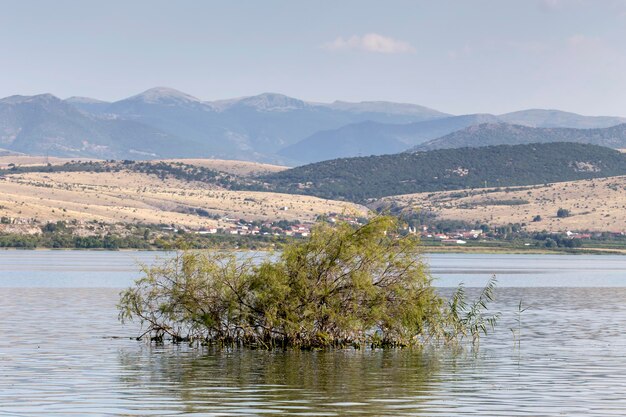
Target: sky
464 56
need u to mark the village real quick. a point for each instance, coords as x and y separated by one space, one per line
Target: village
302 229
31 233
462 236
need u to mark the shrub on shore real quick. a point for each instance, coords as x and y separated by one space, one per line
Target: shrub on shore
345 286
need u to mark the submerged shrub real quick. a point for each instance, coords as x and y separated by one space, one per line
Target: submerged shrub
346 285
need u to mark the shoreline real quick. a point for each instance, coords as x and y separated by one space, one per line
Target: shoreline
478 250
534 251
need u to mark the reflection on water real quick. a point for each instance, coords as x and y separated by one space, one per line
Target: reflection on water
318 383
57 358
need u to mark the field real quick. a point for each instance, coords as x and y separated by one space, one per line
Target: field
597 205
138 198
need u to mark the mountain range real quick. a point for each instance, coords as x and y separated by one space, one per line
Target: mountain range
165 123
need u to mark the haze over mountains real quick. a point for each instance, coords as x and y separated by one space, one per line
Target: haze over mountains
165 123
373 138
502 133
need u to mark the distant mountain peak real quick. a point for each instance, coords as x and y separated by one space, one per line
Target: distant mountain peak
164 95
559 118
541 111
39 98
273 102
84 100
385 107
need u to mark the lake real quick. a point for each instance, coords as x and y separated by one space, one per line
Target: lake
63 352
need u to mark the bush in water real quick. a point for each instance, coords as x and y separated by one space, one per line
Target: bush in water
345 286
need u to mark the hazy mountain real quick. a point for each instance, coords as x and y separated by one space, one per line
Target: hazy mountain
504 133
253 127
269 102
557 118
89 105
181 115
267 127
363 178
271 122
165 122
359 139
44 124
362 139
6 152
371 138
380 108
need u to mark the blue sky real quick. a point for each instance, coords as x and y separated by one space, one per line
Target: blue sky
460 56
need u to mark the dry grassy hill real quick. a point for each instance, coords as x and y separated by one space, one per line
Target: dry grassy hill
28 160
598 204
241 168
133 197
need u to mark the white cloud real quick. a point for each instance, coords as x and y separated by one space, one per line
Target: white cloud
371 42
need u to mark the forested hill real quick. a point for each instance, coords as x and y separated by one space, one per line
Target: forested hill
359 179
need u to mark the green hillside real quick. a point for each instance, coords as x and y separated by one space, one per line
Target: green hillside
359 179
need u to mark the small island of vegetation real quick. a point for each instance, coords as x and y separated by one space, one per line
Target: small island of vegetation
361 286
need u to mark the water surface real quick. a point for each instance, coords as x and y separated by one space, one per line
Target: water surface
63 353
102 269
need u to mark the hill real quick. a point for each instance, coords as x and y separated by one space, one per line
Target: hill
238 168
595 204
20 160
360 179
507 134
131 197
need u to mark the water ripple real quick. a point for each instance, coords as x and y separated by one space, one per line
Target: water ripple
57 359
